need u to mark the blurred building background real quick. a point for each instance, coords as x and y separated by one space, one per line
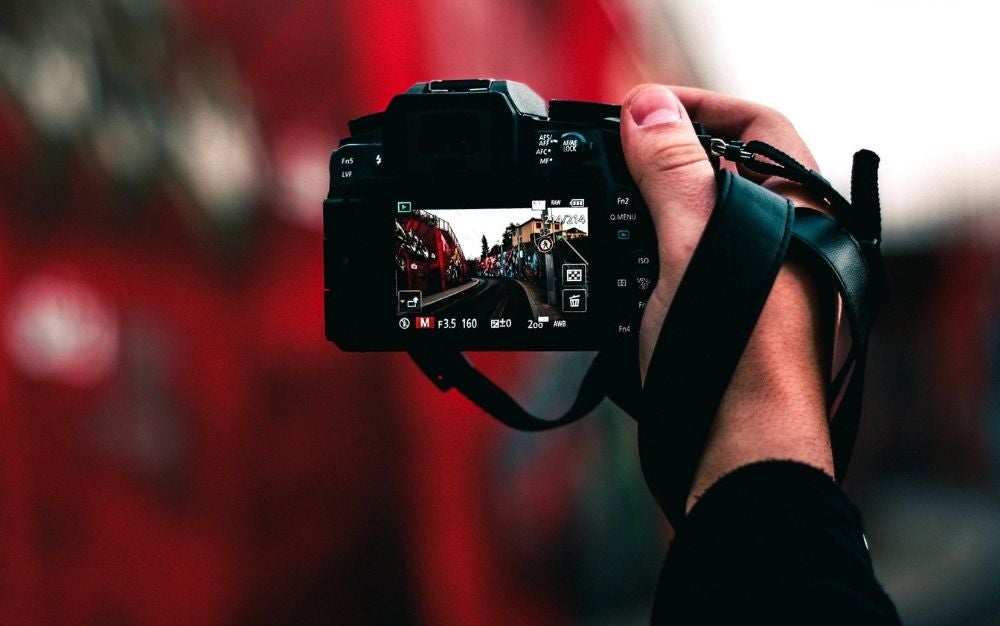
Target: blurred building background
178 443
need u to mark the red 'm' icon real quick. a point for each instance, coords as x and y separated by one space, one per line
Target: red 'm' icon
425 322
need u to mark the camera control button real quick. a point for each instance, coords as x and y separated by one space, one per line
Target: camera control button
574 274
345 161
355 161
641 259
625 208
624 200
574 300
643 281
574 145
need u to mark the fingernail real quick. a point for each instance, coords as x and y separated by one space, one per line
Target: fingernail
655 105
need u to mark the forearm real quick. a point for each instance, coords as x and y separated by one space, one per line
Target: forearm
775 405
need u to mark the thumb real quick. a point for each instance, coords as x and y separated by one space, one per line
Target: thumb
673 174
677 181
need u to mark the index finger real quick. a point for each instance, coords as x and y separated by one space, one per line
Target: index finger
744 120
734 118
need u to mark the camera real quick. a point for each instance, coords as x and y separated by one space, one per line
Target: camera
471 216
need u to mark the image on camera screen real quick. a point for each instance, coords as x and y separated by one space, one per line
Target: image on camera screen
493 268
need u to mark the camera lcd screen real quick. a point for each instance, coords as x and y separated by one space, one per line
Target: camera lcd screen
477 270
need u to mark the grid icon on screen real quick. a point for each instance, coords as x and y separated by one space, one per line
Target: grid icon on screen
574 273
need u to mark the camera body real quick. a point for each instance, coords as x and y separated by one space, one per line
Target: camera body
470 216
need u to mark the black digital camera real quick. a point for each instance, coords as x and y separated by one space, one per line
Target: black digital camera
470 216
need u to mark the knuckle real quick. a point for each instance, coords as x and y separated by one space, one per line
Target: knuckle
775 116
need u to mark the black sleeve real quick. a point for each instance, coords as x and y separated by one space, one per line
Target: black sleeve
775 542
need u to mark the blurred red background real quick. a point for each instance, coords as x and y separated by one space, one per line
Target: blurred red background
180 445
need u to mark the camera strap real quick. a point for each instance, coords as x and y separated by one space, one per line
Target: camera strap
449 370
749 235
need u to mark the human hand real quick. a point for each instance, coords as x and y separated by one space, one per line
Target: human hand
775 406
